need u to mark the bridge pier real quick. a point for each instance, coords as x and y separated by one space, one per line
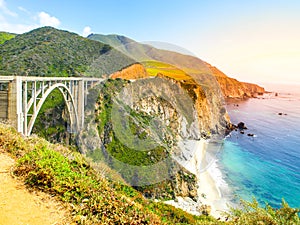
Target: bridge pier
80 106
3 101
15 113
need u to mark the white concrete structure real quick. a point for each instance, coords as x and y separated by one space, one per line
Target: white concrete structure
26 95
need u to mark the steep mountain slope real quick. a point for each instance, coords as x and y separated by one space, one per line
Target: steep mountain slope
125 45
201 71
50 52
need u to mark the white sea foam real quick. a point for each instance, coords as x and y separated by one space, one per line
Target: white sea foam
212 188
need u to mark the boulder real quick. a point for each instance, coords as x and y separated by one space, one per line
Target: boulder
241 126
205 210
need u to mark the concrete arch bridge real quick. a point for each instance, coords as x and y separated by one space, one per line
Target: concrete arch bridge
21 99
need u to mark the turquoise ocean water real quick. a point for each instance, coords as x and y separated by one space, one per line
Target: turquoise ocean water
266 166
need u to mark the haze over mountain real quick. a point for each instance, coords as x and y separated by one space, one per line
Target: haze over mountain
204 73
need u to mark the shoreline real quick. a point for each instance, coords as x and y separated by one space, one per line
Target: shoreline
211 184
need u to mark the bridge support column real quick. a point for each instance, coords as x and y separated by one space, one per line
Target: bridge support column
80 104
15 112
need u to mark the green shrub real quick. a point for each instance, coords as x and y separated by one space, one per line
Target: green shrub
252 213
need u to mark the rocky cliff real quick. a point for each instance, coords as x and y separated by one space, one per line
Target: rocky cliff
139 125
133 71
232 88
211 116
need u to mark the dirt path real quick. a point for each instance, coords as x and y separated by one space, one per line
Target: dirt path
20 207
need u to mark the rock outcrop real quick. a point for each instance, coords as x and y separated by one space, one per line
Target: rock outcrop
232 88
134 71
212 117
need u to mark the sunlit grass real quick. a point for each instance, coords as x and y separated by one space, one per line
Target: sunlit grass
154 67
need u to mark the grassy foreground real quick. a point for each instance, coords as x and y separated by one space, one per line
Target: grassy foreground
93 199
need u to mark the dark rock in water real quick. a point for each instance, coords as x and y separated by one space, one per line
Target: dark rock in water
230 127
281 114
242 132
242 126
250 135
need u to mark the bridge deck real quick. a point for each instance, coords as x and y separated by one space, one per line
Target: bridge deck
26 78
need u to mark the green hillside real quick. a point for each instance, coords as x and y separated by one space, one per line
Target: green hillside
143 52
117 41
50 52
124 44
5 36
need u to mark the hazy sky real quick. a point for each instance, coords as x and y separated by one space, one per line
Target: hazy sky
255 41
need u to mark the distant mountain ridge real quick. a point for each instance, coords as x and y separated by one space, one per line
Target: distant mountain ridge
195 67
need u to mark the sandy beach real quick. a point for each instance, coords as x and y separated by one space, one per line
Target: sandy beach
210 181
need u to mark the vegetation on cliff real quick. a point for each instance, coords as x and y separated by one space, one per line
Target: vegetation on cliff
119 154
4 36
201 95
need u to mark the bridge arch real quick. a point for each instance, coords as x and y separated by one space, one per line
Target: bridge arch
69 100
19 88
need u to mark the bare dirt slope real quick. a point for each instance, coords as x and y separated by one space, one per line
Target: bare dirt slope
18 206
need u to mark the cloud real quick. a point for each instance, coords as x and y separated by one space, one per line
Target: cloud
5 10
16 28
42 19
23 10
26 22
46 20
86 31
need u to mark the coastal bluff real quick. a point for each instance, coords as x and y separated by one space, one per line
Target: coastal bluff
232 88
